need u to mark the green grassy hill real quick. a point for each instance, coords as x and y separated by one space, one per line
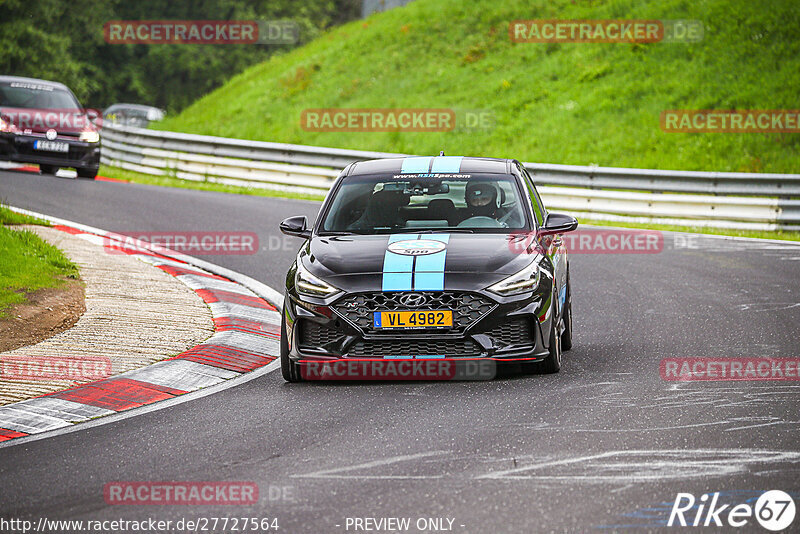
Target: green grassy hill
567 103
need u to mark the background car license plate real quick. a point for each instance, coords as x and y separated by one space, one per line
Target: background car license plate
50 146
413 319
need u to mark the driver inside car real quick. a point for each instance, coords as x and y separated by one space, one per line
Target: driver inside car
481 200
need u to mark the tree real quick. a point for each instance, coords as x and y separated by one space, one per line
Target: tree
63 41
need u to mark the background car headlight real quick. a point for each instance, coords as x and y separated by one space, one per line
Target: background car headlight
89 136
309 285
524 281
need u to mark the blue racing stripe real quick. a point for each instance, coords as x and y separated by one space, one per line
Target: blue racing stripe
397 269
429 269
415 165
397 273
447 164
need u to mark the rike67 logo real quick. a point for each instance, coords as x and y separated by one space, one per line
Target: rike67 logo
774 510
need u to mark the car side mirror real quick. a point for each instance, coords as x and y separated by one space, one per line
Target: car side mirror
296 226
558 223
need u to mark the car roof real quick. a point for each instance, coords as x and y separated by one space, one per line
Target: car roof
432 164
58 85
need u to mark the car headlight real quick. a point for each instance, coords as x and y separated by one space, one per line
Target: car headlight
8 127
522 282
309 285
89 136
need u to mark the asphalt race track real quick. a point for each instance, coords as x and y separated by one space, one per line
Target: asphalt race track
604 444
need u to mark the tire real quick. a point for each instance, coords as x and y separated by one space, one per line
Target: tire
87 173
289 369
48 169
552 364
566 335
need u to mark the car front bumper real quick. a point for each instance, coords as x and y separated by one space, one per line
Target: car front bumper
20 148
334 341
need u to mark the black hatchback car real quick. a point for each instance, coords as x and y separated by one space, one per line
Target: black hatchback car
42 122
426 261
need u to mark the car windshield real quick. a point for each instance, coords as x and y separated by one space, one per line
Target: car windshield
35 96
489 203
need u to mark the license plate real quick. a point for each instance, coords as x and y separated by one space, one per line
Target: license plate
413 319
50 146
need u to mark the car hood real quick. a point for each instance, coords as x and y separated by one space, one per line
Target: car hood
470 261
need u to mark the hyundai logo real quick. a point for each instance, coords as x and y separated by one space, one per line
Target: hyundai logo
413 300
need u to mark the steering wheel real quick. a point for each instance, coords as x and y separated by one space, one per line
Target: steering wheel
481 221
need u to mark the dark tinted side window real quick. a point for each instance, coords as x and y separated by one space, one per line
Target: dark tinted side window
536 201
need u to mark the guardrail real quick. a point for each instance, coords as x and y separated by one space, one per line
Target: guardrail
727 200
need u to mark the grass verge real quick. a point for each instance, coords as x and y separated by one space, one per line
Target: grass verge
558 102
27 262
12 217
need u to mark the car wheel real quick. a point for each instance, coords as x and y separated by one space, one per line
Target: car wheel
87 173
48 169
566 335
552 364
289 369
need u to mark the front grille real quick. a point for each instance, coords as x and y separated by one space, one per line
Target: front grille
414 347
76 152
513 332
314 335
467 307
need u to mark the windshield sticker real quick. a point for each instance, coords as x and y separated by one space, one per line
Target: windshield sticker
431 175
34 86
